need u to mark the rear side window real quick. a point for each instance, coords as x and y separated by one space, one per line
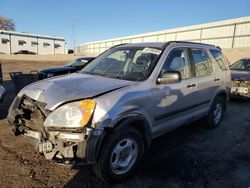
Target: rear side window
203 64
220 59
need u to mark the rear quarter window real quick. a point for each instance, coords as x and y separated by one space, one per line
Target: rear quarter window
220 59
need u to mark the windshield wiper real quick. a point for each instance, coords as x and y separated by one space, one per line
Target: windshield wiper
86 72
94 73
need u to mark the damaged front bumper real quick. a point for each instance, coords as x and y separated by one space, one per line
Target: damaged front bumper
64 146
240 88
59 146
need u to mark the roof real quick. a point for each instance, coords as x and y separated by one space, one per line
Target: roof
30 35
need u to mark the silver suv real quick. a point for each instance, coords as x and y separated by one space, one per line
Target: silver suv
108 113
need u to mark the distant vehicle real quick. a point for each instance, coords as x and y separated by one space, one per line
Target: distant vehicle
240 75
108 113
2 90
70 51
25 52
74 66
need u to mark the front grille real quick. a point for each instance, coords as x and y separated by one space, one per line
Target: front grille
240 84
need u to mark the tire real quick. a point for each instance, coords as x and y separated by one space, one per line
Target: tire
124 143
216 112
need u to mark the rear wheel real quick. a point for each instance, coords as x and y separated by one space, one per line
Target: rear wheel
213 119
119 155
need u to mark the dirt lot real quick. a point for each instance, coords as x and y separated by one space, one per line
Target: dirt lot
189 157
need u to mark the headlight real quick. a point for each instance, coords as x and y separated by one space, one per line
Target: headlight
50 75
72 115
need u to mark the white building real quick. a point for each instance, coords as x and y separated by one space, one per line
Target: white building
232 33
12 42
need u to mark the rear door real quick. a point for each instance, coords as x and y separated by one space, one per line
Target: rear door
206 79
222 67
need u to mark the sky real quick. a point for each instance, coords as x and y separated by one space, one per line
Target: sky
104 19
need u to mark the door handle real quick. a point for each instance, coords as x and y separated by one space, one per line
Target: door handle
216 79
191 85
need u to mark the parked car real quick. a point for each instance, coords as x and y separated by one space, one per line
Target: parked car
2 94
70 51
73 66
25 52
240 71
109 112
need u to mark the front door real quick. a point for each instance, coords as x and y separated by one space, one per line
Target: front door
174 102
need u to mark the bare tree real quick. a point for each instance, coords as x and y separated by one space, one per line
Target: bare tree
7 24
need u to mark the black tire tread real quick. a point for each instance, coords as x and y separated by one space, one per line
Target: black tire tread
209 118
98 167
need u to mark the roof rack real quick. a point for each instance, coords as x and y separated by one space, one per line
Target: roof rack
119 45
218 47
188 42
169 42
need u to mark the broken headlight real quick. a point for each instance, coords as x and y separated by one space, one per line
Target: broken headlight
72 115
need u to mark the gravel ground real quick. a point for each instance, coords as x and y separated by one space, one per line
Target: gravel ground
191 156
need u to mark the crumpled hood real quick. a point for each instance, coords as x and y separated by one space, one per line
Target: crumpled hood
240 75
72 87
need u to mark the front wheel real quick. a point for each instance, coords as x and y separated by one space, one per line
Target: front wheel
119 155
213 119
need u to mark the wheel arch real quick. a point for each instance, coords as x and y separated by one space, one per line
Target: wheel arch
223 93
95 143
137 121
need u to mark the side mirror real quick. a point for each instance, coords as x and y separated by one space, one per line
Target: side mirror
169 78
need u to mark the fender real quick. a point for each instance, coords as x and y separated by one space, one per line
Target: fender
139 122
96 141
223 92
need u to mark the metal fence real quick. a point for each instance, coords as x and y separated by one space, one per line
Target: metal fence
234 33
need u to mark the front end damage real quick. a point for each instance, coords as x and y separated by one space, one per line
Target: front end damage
27 116
240 88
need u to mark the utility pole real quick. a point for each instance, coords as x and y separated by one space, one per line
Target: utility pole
73 41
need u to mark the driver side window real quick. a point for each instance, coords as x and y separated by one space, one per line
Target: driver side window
177 60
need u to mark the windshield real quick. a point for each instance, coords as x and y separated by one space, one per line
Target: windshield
241 65
134 64
77 62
